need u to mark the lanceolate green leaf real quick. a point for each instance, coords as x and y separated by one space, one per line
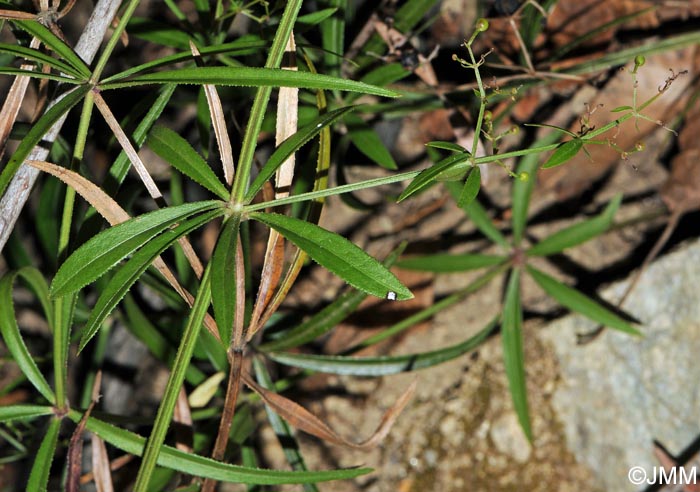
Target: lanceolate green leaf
23 412
577 233
39 476
200 466
102 252
37 132
447 263
471 187
428 176
326 319
576 301
512 337
368 142
11 334
291 145
56 45
178 152
384 365
250 77
223 279
564 153
338 255
522 189
38 56
125 277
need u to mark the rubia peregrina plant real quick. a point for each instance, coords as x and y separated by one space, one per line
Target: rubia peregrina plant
118 257
516 260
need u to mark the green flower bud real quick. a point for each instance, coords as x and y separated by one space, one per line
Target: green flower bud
482 25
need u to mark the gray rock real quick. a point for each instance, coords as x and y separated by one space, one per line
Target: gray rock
619 393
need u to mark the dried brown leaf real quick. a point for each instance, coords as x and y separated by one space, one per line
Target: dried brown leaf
183 417
216 111
75 447
100 465
114 214
305 421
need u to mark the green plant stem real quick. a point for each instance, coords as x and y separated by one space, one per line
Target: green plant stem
257 112
63 306
435 308
113 40
177 376
482 101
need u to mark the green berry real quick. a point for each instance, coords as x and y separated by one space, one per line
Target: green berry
639 60
482 25
524 176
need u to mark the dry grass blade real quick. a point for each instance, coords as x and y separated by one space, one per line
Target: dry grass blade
183 417
100 465
287 124
305 421
146 178
13 101
218 121
114 214
115 465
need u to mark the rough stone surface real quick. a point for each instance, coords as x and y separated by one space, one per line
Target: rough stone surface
620 393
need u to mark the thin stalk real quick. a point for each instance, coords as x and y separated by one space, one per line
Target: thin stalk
232 390
113 40
63 307
257 112
177 377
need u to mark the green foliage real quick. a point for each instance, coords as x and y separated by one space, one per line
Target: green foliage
94 272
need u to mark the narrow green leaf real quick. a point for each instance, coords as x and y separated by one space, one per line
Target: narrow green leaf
478 215
12 336
576 301
447 263
338 255
250 77
317 17
240 46
451 146
471 188
368 142
620 109
159 33
23 412
565 152
333 36
40 57
513 357
178 152
39 476
577 233
37 132
383 365
200 466
98 255
125 277
223 279
291 145
56 45
454 163
326 319
35 74
522 189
